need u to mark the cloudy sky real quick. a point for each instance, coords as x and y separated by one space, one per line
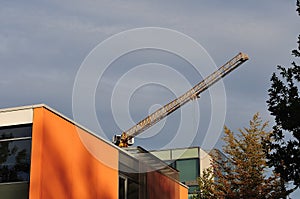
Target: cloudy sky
43 44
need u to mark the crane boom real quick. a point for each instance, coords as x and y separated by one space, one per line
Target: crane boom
191 94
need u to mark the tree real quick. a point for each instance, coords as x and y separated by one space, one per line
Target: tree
205 182
244 172
284 105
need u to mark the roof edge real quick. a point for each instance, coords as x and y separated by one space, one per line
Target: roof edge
67 119
22 107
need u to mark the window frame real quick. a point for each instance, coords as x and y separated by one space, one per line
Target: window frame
3 140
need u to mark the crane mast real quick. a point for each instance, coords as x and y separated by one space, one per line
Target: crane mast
127 136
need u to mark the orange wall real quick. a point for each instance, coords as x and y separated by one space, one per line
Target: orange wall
161 186
183 192
63 167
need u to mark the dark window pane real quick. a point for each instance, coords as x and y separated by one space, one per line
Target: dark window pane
14 191
133 190
15 131
15 160
121 188
15 154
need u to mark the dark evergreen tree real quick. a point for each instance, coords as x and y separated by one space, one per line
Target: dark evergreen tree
284 105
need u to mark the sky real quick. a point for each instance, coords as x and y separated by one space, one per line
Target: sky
43 45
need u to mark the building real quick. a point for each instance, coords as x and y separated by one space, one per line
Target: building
190 162
43 154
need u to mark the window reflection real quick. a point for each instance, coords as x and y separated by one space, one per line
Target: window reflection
121 188
15 147
128 189
15 131
133 190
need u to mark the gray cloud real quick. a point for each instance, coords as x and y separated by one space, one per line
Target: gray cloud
42 44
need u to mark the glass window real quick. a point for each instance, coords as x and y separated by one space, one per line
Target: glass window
15 151
15 131
185 153
121 188
163 155
188 169
128 189
15 160
133 190
171 163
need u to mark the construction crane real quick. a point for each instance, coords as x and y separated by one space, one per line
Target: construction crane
127 137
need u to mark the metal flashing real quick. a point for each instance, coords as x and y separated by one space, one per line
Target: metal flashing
11 117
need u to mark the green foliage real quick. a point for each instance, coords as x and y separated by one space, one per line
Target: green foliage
284 105
205 183
243 173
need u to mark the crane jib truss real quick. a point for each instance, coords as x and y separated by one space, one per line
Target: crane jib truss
126 138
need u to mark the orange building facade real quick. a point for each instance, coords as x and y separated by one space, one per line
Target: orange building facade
45 155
